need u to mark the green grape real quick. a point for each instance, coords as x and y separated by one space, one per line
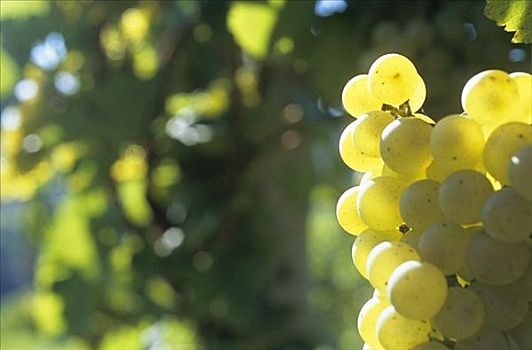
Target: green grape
365 242
506 306
485 339
353 157
418 204
523 332
347 214
369 175
377 294
412 238
417 290
520 170
494 262
507 216
396 332
384 259
393 79
462 194
356 97
368 129
378 203
433 345
503 143
490 97
417 100
405 145
526 281
444 244
406 179
457 142
425 118
461 316
524 86
367 320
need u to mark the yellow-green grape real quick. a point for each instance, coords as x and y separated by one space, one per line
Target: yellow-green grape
494 262
384 259
369 347
417 100
367 321
462 195
461 316
406 179
378 203
444 244
507 216
433 345
365 242
396 332
424 118
347 214
485 339
377 294
393 79
503 143
520 172
368 129
526 281
405 145
490 97
352 156
369 175
523 332
457 142
506 306
524 85
419 204
356 97
412 238
417 290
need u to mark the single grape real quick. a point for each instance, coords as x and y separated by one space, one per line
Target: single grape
406 179
400 333
393 79
494 262
368 129
347 214
462 195
418 204
378 203
485 339
384 259
506 306
352 156
356 97
461 316
523 332
457 142
444 244
417 290
367 320
520 172
412 238
490 97
432 345
526 281
505 142
405 145
425 118
524 86
365 242
507 216
417 100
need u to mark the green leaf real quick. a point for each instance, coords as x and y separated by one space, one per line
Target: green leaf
10 73
514 15
251 25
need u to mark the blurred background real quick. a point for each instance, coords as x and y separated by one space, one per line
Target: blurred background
169 170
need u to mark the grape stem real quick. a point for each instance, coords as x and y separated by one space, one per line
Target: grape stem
404 110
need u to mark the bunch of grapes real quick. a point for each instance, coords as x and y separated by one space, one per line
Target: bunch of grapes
443 212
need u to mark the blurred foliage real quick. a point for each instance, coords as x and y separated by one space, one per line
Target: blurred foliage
169 170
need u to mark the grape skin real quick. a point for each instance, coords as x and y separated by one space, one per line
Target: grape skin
353 157
368 129
378 203
365 242
417 290
346 212
367 320
520 170
419 204
356 97
400 333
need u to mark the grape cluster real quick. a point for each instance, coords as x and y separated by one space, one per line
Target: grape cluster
443 212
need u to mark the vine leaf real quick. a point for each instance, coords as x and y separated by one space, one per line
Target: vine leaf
514 16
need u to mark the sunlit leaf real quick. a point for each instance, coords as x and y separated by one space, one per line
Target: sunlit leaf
514 16
47 311
132 196
161 292
251 24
